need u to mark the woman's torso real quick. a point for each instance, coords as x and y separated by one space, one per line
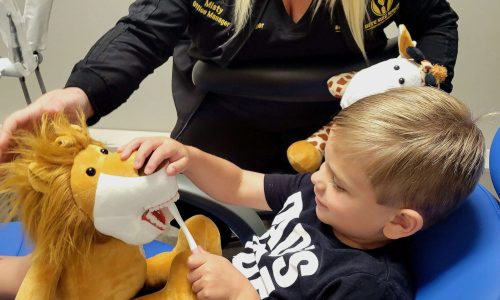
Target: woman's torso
275 36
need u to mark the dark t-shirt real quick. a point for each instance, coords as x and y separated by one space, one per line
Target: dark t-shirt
299 257
277 40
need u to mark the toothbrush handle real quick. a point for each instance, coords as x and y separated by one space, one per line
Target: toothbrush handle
175 212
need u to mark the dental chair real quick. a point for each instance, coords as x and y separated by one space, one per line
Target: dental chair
13 242
460 257
495 162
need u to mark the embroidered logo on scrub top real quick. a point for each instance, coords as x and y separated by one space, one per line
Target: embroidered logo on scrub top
259 26
380 12
211 10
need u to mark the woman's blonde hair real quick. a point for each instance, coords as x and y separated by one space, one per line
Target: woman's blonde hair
422 148
355 11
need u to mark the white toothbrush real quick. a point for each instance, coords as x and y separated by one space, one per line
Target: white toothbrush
175 212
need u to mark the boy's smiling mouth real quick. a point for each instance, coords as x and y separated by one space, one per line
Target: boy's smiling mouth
318 202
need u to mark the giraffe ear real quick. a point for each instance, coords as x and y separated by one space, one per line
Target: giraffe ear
405 41
37 179
338 84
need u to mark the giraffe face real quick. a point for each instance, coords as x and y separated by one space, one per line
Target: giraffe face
392 73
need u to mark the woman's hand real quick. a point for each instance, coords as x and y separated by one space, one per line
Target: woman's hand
68 100
214 277
158 149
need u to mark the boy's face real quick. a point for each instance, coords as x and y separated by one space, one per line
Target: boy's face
346 200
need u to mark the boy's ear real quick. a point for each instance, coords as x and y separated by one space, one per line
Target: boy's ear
405 223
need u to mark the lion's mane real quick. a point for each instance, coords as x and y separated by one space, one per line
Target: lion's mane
51 218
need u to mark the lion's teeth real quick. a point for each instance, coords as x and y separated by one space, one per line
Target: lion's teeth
151 218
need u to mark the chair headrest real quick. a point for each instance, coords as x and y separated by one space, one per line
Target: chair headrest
301 81
495 161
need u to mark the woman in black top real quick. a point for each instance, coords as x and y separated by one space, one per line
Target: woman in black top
253 133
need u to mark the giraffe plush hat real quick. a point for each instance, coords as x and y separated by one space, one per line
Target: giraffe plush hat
410 68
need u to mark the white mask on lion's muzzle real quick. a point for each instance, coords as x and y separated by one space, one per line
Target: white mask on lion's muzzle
134 209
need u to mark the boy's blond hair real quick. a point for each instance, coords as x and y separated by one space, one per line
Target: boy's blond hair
421 146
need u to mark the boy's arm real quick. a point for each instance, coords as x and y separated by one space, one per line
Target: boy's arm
225 181
217 177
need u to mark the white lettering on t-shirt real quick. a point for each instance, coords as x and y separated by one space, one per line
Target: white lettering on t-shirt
290 276
290 253
298 236
251 267
291 210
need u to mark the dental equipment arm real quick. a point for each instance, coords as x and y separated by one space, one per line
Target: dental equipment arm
24 36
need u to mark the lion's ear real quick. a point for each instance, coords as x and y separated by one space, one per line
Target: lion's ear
65 141
77 127
67 137
37 179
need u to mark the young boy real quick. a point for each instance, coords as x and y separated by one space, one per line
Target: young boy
395 163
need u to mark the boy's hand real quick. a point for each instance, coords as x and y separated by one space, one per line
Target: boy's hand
214 277
161 149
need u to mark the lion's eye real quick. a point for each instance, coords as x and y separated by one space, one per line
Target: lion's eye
104 151
90 171
401 80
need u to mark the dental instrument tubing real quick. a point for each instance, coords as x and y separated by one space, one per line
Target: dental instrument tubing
175 213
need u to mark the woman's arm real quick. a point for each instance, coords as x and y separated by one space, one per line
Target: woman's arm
118 62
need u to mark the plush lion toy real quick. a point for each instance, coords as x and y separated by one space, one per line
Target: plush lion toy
51 185
409 69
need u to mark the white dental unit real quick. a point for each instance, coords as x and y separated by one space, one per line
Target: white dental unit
24 35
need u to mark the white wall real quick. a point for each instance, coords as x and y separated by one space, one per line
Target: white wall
477 78
75 25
